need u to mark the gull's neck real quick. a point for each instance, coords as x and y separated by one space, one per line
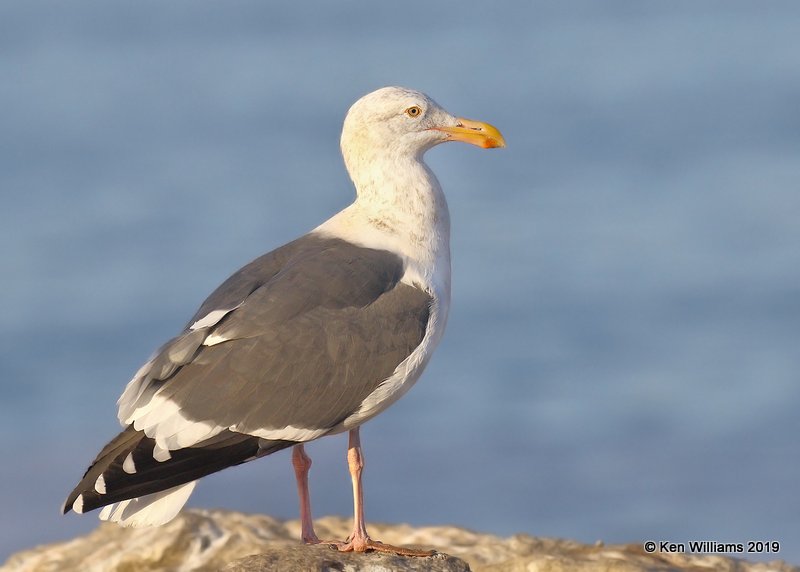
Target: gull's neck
399 207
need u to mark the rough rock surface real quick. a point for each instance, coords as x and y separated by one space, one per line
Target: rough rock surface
279 559
213 540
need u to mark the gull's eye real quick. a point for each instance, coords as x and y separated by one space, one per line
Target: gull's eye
414 111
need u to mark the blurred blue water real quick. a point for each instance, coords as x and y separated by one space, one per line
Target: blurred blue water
622 355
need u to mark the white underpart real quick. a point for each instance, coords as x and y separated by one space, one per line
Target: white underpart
149 510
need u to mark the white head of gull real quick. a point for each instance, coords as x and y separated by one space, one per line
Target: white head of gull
313 338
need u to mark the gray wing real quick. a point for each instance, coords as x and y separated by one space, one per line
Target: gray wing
296 342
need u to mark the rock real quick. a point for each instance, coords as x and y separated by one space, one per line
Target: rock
327 559
213 540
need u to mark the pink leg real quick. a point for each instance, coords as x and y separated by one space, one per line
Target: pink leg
355 462
302 463
359 540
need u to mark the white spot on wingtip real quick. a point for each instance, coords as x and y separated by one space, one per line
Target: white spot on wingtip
100 484
128 465
77 506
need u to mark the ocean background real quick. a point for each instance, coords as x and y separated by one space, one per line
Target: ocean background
622 360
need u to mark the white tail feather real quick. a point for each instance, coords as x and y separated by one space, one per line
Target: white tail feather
149 510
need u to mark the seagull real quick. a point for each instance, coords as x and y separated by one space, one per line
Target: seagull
314 338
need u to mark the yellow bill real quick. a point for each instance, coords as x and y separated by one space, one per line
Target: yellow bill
474 133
